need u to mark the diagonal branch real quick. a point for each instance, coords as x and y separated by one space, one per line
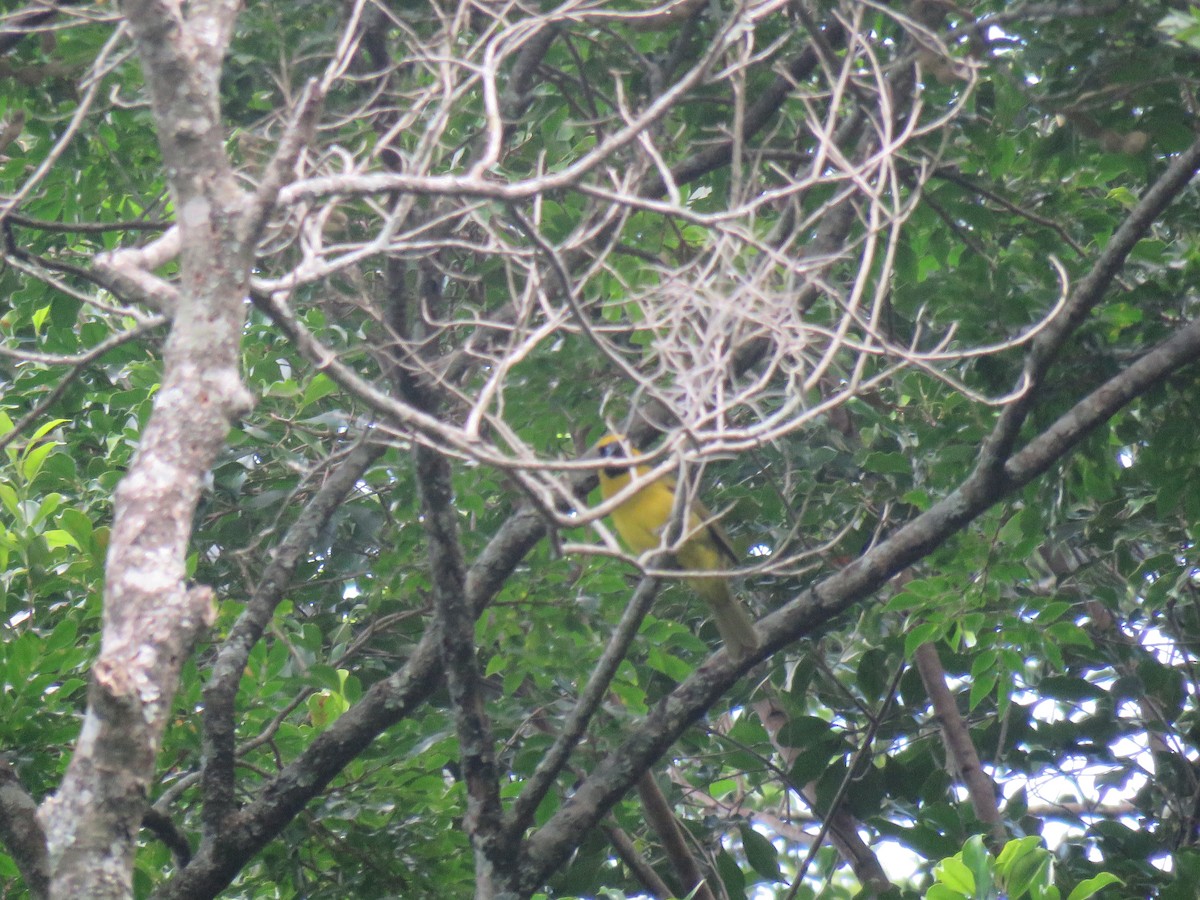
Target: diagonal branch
661 818
549 846
629 854
959 746
590 697
220 727
1087 294
842 827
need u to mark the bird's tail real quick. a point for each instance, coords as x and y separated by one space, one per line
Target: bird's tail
732 618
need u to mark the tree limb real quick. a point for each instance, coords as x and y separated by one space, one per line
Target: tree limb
641 869
661 818
455 625
21 833
1090 291
220 693
959 747
646 741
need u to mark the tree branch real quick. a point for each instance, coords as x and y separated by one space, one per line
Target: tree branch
959 746
590 697
661 818
386 702
21 833
548 846
842 826
152 617
165 830
455 624
220 694
641 869
1090 291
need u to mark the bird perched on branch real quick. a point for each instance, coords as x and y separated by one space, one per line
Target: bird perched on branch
641 521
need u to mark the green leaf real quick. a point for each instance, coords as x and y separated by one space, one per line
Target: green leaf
944 892
920 634
888 463
31 464
319 387
672 666
802 731
46 508
324 708
22 655
42 430
1014 530
282 389
979 861
1029 871
39 318
981 688
63 636
1093 886
1016 850
731 875
761 854
1052 611
57 537
77 524
9 498
953 873
327 677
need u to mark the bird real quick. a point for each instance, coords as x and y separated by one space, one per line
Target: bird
640 522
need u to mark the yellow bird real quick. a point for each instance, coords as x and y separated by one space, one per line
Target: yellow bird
640 521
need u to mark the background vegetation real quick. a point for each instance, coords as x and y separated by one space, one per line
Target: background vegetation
311 309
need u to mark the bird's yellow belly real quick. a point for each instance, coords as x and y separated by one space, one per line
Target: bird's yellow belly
639 524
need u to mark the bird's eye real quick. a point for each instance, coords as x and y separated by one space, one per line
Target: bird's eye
614 449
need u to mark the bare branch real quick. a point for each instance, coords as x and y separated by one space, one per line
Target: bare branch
960 749
456 628
221 691
660 817
629 855
589 701
832 595
1087 294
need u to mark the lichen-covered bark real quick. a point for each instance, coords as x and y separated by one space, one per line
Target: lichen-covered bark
151 615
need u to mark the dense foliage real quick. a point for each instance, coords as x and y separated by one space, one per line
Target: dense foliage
846 256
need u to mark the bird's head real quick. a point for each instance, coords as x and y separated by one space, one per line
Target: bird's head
614 446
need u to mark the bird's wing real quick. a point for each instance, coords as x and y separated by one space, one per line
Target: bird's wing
712 528
714 532
717 533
